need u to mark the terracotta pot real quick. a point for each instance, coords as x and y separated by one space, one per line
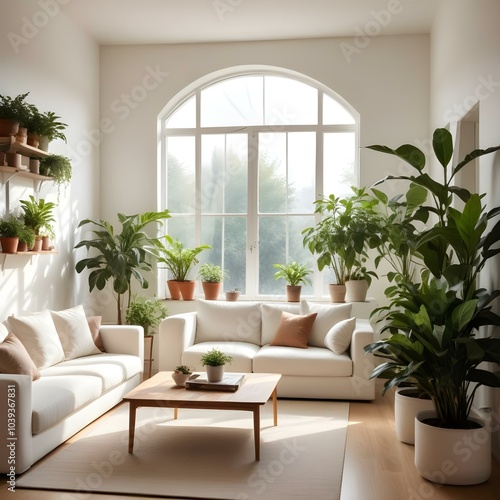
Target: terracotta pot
8 127
38 245
215 373
22 135
293 293
173 288
337 292
232 296
356 290
187 289
33 139
13 160
45 243
22 246
211 290
9 244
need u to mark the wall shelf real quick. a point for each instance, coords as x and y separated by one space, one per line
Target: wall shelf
4 256
10 145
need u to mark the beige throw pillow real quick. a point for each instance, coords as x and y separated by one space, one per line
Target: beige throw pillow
74 332
95 325
339 336
38 334
14 358
294 330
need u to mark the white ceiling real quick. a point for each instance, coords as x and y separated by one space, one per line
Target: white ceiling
188 21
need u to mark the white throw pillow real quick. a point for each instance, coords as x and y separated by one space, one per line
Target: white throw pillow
271 316
339 337
38 334
74 331
328 315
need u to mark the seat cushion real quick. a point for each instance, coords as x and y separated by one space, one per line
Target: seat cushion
226 321
314 361
111 369
242 353
56 397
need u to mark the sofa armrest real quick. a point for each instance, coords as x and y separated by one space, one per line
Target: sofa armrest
123 339
16 448
176 334
362 363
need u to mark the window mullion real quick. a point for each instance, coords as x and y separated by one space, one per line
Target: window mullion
252 250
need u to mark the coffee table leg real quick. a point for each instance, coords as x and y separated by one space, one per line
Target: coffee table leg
256 430
176 413
275 405
131 426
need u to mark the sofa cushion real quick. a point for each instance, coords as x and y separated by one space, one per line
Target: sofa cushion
14 358
228 321
313 362
294 330
38 334
54 398
74 332
3 331
241 352
112 369
271 316
339 336
328 315
95 325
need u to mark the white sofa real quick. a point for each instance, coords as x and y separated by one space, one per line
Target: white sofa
65 396
246 330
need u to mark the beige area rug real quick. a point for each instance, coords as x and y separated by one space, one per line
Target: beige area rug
205 454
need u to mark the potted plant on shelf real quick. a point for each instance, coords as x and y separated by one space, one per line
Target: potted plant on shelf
10 231
181 375
38 215
434 321
211 280
58 168
119 257
348 228
146 312
46 127
14 113
179 261
215 360
295 275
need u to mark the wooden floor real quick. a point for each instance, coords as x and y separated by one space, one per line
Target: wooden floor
377 466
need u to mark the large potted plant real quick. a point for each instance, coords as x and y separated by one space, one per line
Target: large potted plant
295 275
120 256
347 229
179 261
211 280
434 321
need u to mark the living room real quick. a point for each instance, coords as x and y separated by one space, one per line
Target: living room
406 67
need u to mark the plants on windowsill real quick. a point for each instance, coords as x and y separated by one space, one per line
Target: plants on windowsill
119 257
211 280
147 313
295 275
434 320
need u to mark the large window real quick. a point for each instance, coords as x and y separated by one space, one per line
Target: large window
243 160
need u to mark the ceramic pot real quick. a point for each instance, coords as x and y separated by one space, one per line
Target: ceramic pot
22 135
34 166
180 379
293 293
356 290
45 243
211 290
407 405
187 289
13 159
173 288
9 245
232 296
22 246
38 245
337 292
43 143
452 456
215 373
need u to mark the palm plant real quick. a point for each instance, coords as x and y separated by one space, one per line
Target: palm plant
38 215
120 257
293 273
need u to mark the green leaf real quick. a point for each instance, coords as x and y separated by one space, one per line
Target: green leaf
463 314
442 143
406 152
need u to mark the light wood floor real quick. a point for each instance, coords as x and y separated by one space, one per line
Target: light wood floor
377 466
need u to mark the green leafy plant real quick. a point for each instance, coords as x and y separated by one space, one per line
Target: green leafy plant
12 227
47 124
433 323
119 257
211 273
293 273
38 215
145 312
183 369
177 259
16 109
58 168
348 228
215 357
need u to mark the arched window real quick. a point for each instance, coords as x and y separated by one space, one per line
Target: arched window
242 160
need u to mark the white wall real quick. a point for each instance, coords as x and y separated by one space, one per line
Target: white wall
387 83
465 70
43 53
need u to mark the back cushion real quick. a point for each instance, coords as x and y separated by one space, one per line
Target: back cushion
328 315
228 321
271 316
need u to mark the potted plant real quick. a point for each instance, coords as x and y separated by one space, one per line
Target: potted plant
26 239
46 127
57 167
215 360
347 229
211 280
232 295
358 281
119 257
38 215
10 229
433 322
14 113
181 375
179 261
146 312
295 275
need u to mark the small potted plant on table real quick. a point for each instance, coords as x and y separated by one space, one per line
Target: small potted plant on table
181 375
215 360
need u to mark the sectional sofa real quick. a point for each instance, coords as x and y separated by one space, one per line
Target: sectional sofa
59 371
327 362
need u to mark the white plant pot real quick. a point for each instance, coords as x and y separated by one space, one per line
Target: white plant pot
452 456
356 290
406 409
215 373
180 379
337 292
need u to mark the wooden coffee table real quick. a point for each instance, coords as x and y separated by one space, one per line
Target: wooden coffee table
161 391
